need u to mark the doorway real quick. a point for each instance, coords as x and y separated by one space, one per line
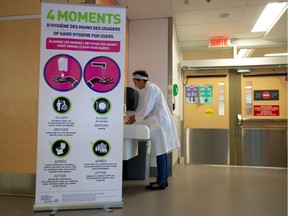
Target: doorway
219 106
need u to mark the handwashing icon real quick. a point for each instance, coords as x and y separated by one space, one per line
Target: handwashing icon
60 149
62 72
63 66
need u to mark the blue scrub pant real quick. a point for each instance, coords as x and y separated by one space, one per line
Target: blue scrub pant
162 168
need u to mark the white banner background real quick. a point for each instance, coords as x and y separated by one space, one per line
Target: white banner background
81 95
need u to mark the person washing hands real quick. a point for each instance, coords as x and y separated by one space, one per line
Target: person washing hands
156 114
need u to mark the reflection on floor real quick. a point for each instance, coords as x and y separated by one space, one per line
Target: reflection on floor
194 190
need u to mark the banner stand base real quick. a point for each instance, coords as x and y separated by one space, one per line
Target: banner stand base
107 206
53 213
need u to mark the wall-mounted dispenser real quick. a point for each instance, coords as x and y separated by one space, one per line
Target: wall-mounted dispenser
132 97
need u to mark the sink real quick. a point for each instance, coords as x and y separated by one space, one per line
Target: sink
136 131
132 134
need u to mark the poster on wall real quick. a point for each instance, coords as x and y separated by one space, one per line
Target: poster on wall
81 95
206 93
192 94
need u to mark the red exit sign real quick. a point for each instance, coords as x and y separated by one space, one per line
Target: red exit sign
219 42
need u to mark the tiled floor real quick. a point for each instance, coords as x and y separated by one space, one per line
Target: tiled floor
194 190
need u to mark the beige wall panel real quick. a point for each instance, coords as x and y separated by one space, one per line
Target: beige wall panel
19 94
19 7
106 2
26 7
207 54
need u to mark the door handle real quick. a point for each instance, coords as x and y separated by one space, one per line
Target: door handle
239 119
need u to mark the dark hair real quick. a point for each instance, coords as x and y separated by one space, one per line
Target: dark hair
141 73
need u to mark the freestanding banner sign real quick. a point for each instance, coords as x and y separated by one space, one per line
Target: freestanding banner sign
81 96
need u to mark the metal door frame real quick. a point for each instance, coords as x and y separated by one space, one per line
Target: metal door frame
235 135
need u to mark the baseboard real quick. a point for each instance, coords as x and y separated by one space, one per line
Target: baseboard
20 184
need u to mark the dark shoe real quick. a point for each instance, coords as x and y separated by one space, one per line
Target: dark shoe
151 183
155 187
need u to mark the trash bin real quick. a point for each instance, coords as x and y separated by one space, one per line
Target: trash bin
138 168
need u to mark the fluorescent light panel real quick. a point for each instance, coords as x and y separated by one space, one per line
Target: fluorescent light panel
243 71
276 54
244 53
269 16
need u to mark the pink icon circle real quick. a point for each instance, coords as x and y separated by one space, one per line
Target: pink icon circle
62 72
102 74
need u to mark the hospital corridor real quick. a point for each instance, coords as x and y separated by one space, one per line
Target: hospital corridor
194 190
102 100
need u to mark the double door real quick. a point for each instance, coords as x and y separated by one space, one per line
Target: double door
228 119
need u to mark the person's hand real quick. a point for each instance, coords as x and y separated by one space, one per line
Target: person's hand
131 119
102 81
59 79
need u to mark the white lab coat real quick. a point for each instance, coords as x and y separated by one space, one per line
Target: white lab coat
156 114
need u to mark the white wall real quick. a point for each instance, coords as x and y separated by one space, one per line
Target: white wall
176 76
178 99
149 50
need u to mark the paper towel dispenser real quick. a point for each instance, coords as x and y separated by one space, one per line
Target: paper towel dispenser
132 97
